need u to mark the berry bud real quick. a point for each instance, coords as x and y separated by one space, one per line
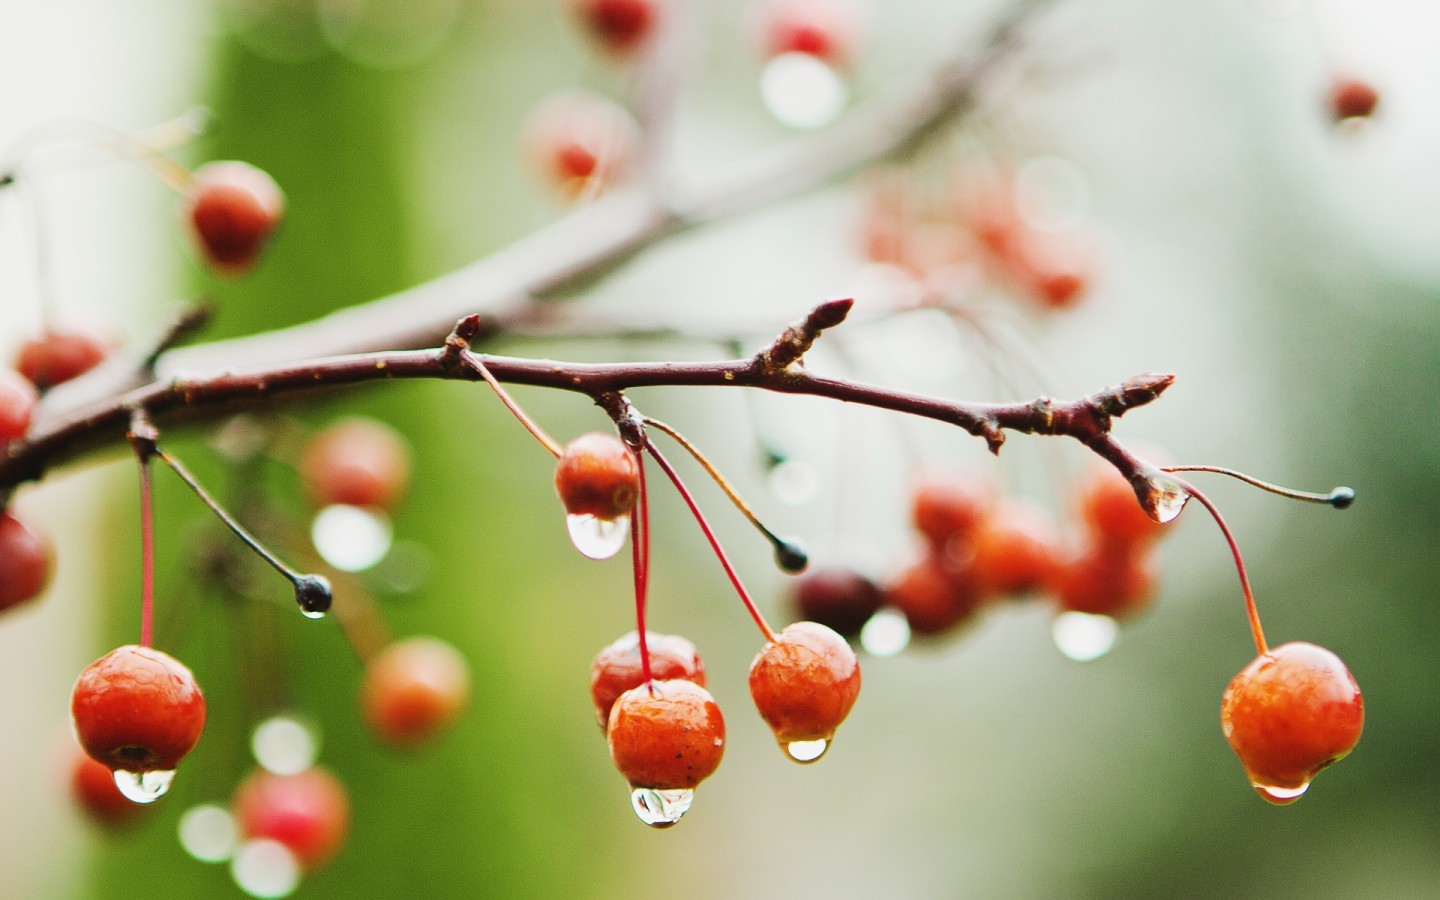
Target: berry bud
232 208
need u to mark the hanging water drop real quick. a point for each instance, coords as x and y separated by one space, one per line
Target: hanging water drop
598 538
1280 796
807 751
144 787
1084 637
661 809
1167 497
208 832
887 633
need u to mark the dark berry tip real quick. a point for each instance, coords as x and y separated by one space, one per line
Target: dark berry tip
313 593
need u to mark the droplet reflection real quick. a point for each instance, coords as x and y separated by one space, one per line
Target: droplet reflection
266 869
661 809
800 91
351 538
598 538
807 751
144 787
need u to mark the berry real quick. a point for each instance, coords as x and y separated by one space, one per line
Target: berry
138 710
617 668
948 508
667 735
357 462
308 812
932 596
620 26
597 476
233 207
1351 98
1289 714
17 402
25 562
92 785
837 597
1111 510
1015 550
828 30
804 684
1056 270
413 690
581 143
59 355
1105 581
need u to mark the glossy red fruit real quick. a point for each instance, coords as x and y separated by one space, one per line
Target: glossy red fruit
357 462
17 402
1103 580
233 208
413 690
616 669
932 596
92 786
837 597
804 684
597 476
581 143
26 562
1289 714
137 709
1110 509
620 26
1016 550
668 735
309 813
948 509
1351 98
829 30
61 354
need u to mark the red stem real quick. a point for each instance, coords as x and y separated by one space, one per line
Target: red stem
1250 610
710 536
640 560
147 556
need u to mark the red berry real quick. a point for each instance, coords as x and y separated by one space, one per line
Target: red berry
92 785
1110 508
25 562
1056 270
804 684
597 476
932 596
617 669
1351 98
948 509
309 812
667 735
620 26
357 462
837 597
233 207
1105 581
17 402
828 30
1289 714
137 709
413 690
1015 550
581 143
59 355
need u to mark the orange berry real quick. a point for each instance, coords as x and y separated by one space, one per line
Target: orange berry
357 462
616 669
413 690
233 208
308 812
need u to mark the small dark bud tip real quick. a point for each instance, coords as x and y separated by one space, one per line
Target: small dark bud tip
791 556
1341 497
313 594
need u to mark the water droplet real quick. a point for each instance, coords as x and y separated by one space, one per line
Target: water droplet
886 634
208 833
314 596
265 868
661 809
1168 498
351 538
807 751
144 787
794 482
1084 637
1280 796
598 538
312 613
284 745
800 91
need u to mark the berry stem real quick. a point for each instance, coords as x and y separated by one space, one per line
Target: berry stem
1339 497
640 561
1250 609
710 536
790 556
474 362
147 554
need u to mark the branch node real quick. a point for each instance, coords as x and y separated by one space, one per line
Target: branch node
797 339
458 341
628 420
191 319
143 435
